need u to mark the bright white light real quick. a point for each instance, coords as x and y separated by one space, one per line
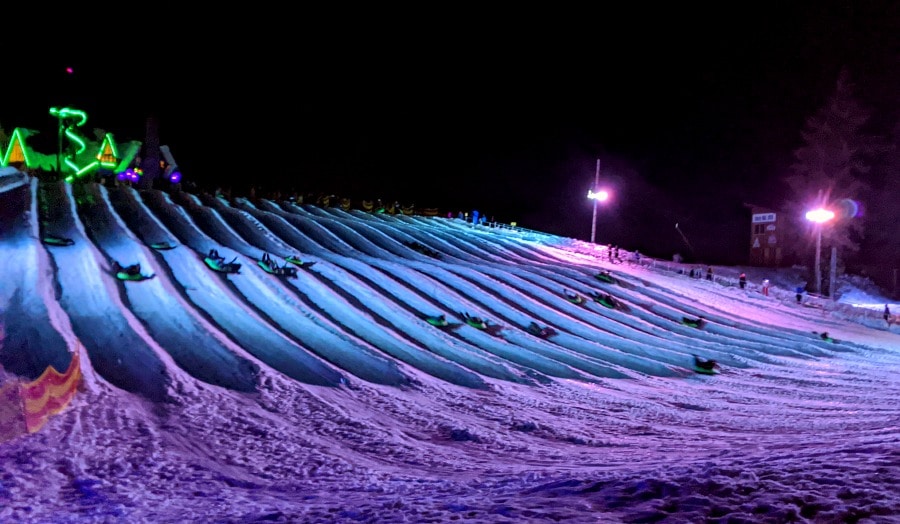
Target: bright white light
819 215
601 195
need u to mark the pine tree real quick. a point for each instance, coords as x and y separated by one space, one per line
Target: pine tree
4 141
881 249
829 170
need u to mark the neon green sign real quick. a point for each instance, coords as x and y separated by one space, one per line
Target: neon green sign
69 119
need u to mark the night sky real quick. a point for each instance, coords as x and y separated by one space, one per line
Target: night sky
693 111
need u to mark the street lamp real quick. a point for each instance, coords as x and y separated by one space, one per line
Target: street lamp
597 195
819 216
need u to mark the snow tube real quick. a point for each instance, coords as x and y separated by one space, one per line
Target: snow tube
605 277
694 323
272 269
51 240
538 331
221 266
137 277
705 367
604 301
475 322
267 266
439 321
826 338
292 259
162 246
577 299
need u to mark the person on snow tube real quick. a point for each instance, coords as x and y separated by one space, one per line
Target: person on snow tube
704 366
605 276
574 298
824 336
437 320
605 299
698 322
132 270
543 332
475 322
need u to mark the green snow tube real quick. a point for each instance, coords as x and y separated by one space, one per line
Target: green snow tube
221 266
605 277
137 277
51 240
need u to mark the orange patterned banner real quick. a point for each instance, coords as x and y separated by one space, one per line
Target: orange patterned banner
49 394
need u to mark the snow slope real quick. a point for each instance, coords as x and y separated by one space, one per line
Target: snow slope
252 397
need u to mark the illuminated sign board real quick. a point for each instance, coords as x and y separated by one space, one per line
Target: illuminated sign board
763 217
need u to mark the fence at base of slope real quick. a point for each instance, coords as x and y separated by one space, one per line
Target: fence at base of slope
26 406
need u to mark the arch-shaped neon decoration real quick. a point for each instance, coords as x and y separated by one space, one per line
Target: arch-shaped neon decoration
17 150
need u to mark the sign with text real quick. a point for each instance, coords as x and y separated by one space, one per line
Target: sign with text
763 217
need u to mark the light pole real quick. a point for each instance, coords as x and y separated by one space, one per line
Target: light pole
819 216
596 195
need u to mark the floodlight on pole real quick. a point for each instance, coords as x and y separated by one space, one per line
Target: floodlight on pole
597 195
819 216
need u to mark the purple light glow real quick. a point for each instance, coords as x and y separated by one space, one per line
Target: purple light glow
849 208
175 177
129 174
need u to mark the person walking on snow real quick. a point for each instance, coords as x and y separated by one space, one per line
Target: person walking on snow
742 281
765 287
887 315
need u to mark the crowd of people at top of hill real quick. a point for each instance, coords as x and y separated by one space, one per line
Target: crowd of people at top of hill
615 255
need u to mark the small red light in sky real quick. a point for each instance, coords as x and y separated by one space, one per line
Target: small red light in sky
70 70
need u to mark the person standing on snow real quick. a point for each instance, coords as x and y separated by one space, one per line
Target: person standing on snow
887 315
742 281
